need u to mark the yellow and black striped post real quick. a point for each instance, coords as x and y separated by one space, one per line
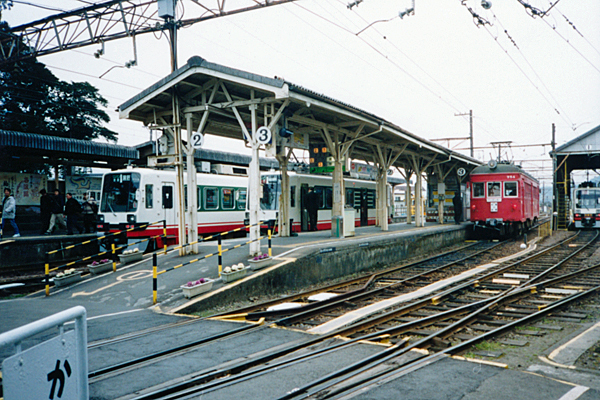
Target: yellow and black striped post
154 278
47 271
165 235
270 252
220 256
114 257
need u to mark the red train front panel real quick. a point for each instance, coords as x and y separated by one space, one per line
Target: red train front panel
504 197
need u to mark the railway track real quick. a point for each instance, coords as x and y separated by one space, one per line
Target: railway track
446 324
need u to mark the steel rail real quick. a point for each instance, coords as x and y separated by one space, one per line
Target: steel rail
192 385
332 394
350 372
369 277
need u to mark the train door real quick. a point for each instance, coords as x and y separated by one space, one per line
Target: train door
303 210
364 206
168 202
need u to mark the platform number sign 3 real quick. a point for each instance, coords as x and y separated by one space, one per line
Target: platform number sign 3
461 172
263 135
197 140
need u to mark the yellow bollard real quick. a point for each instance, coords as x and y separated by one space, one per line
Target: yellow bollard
114 257
47 279
154 278
270 251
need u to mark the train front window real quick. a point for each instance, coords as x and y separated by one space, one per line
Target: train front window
119 192
587 199
271 190
493 189
478 189
510 189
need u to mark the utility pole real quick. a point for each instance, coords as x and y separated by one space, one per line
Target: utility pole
554 183
507 143
470 114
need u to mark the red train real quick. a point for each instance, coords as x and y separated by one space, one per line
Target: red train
504 199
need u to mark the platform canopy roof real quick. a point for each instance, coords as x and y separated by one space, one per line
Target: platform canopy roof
583 152
35 148
227 94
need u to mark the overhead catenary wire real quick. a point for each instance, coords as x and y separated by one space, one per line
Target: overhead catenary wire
528 78
533 70
382 54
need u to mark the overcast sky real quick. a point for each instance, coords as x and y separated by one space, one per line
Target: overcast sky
518 74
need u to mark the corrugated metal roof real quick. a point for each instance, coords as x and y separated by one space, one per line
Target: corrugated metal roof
197 61
75 146
577 139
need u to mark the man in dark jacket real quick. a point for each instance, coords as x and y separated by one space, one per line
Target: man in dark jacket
45 209
458 207
72 211
312 206
89 209
57 209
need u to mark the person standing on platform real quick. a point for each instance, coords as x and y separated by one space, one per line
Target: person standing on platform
72 211
9 211
58 208
89 209
45 210
458 207
312 206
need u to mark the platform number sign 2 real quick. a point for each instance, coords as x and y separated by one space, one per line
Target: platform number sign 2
197 140
263 135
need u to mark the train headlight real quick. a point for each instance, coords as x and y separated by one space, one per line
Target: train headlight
131 218
514 207
101 218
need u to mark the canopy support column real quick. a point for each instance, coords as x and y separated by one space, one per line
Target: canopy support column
179 181
192 183
386 158
338 172
254 186
285 229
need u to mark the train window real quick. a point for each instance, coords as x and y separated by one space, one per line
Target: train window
478 189
320 190
271 189
493 189
328 198
371 194
241 199
185 197
118 192
199 194
510 189
149 197
167 196
350 197
211 199
227 199
293 196
357 198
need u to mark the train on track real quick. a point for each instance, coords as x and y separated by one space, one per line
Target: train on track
135 197
359 194
586 206
504 199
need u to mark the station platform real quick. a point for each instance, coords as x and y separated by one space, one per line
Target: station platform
308 259
120 303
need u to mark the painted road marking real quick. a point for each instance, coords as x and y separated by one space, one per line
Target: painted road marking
574 393
130 276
